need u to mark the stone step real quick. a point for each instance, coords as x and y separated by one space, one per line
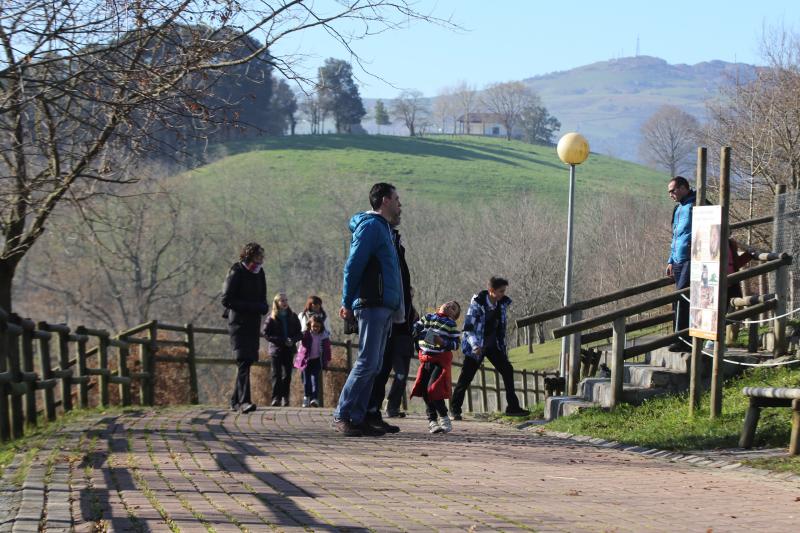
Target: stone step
598 391
558 406
644 375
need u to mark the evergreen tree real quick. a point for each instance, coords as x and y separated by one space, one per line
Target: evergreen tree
339 95
381 115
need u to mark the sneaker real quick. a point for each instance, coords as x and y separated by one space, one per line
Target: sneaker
678 347
375 420
371 429
248 407
276 402
286 402
395 414
457 416
434 427
313 403
445 424
306 403
346 428
517 411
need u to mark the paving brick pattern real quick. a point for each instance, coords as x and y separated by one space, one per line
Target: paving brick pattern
284 469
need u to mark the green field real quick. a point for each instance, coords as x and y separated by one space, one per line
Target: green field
304 170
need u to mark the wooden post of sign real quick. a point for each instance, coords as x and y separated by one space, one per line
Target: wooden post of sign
574 356
722 295
781 275
697 342
194 389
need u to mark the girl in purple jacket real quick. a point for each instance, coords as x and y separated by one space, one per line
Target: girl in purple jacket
314 355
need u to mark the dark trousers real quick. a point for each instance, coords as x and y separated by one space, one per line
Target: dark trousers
680 273
433 408
311 376
241 391
500 361
397 357
281 375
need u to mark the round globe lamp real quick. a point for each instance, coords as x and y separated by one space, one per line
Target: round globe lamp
572 149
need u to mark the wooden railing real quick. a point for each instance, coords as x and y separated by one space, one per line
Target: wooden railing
578 328
49 369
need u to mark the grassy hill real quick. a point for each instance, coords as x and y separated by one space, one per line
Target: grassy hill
303 169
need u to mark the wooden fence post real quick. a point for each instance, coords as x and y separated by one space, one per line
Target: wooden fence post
65 370
484 392
47 375
148 362
536 391
83 386
498 394
348 348
102 354
122 372
5 374
525 403
617 360
194 395
17 412
26 339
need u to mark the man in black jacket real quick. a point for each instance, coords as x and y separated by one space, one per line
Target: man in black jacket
244 296
397 354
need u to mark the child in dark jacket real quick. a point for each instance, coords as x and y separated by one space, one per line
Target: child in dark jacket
282 331
438 336
313 356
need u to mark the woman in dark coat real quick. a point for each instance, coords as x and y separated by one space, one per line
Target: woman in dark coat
282 330
244 296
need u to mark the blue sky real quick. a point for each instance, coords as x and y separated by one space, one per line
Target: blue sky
514 39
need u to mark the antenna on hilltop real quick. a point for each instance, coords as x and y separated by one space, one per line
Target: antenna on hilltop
637 46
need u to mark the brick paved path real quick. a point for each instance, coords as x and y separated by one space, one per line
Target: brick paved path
283 469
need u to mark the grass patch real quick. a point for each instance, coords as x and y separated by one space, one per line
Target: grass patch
664 422
34 438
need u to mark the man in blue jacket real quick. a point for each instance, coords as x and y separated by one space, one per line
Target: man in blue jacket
372 293
678 265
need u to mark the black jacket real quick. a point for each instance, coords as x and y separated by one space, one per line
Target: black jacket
273 331
404 328
244 296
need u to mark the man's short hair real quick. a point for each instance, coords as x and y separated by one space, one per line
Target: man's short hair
680 181
496 282
378 192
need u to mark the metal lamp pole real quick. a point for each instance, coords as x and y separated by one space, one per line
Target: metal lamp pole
568 270
573 150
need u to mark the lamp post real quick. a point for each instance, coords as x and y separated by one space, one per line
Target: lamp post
573 150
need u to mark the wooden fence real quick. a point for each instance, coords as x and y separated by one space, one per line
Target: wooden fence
49 369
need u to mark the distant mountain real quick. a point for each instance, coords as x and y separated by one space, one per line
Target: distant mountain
608 101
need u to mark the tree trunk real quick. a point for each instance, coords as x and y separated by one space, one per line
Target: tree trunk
7 269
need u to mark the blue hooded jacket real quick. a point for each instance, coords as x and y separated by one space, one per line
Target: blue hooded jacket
680 250
372 271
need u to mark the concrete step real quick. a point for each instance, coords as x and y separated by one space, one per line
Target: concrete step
644 375
598 392
558 406
671 360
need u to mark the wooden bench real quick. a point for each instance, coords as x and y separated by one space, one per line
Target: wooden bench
771 397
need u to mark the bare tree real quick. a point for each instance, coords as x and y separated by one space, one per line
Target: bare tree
669 139
759 115
445 110
466 98
508 101
80 80
410 107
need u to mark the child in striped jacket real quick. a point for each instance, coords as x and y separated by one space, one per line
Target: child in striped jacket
438 336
